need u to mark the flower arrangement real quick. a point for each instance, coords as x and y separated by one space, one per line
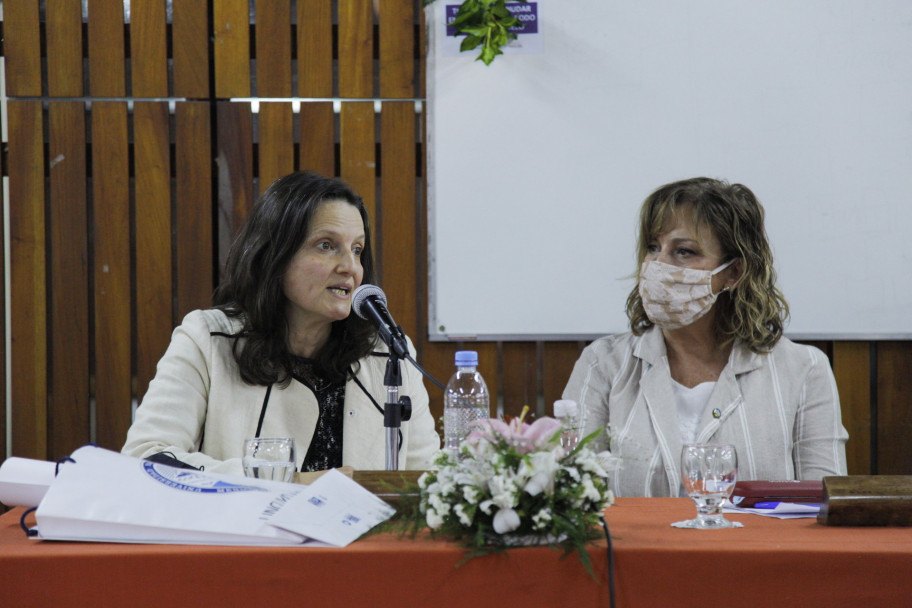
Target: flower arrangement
514 484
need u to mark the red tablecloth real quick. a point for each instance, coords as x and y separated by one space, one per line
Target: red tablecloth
768 562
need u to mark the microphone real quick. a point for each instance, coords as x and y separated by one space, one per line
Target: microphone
369 303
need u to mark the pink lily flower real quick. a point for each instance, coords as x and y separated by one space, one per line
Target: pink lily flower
521 435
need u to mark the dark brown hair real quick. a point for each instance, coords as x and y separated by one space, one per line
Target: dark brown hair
251 289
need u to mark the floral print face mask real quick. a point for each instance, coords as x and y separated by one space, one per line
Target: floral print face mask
675 297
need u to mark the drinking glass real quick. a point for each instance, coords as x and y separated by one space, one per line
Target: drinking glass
271 458
709 472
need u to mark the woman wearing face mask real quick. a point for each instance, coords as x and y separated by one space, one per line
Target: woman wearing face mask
705 360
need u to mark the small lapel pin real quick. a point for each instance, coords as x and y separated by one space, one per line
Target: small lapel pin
717 413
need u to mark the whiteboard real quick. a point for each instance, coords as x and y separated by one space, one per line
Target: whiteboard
539 162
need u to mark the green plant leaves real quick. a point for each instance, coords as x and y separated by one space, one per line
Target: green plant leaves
485 24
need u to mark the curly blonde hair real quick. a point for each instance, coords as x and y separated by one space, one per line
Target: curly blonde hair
754 310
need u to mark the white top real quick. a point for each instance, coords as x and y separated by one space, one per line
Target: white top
780 409
691 403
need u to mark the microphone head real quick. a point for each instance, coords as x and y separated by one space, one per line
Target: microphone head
360 296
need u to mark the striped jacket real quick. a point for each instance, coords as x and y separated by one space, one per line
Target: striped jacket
780 409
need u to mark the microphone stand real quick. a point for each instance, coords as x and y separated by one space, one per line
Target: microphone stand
395 410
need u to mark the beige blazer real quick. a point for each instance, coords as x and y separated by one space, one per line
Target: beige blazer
198 408
780 409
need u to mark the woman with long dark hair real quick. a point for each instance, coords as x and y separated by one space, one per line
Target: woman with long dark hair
281 353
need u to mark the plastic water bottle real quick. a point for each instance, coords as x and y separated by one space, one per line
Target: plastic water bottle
567 412
466 399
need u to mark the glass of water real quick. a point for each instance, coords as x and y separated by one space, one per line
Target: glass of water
709 472
271 458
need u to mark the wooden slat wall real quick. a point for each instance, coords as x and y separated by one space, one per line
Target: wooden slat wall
127 183
68 323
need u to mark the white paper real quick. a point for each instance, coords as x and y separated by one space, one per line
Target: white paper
334 510
24 482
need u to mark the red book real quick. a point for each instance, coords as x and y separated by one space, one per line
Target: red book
750 492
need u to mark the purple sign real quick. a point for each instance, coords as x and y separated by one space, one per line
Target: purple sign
525 12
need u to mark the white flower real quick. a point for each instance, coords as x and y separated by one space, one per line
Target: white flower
590 492
503 491
423 480
438 504
470 493
538 483
542 519
505 520
464 518
434 520
541 468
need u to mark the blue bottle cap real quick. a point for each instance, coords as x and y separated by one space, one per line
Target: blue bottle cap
466 358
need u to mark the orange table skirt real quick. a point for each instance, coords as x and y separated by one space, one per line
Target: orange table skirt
768 562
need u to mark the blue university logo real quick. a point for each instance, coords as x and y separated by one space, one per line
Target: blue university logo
193 481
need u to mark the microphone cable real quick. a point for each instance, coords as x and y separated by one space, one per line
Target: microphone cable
610 551
426 373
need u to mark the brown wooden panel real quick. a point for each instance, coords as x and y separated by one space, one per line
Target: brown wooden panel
232 48
111 245
3 327
235 175
398 213
64 48
397 50
557 363
273 49
520 377
317 138
190 48
148 48
489 364
276 150
28 309
357 152
315 49
356 42
68 407
106 49
422 55
437 359
852 366
825 346
894 408
151 141
22 48
193 217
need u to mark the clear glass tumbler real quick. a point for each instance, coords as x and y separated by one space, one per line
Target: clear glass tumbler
709 472
271 458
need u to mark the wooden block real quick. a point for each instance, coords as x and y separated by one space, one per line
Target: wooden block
866 500
398 488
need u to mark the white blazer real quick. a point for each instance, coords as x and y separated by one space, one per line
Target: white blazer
198 408
780 410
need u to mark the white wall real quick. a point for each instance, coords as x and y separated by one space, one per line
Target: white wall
539 162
